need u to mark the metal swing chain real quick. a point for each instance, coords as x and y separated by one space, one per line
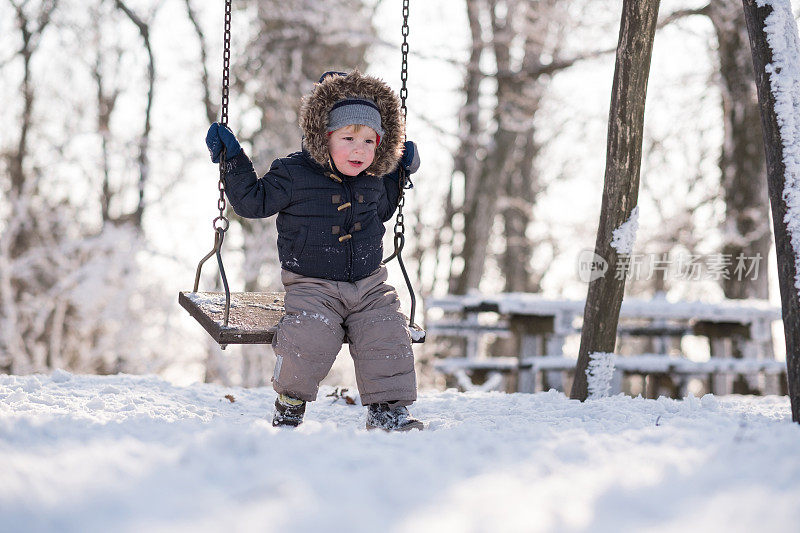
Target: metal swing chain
221 222
404 66
226 67
404 181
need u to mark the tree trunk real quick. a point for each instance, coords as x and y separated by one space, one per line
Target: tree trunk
20 235
775 133
208 103
143 159
481 209
465 161
497 158
621 189
522 185
520 195
106 102
487 183
746 235
20 225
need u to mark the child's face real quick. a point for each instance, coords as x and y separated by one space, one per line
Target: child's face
352 151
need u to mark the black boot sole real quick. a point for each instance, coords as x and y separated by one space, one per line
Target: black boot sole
285 424
414 425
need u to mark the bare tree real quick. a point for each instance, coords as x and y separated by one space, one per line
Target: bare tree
497 159
205 79
779 137
470 151
482 184
746 231
143 26
621 189
19 233
31 27
105 69
70 288
745 228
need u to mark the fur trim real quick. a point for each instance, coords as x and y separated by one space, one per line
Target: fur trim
315 107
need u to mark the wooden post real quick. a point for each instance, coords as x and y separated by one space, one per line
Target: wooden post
777 174
621 189
530 336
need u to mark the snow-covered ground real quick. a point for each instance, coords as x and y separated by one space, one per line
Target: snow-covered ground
125 453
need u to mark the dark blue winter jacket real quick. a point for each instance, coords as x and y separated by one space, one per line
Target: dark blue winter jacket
329 225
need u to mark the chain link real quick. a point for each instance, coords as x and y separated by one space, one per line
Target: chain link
399 224
404 65
226 63
221 222
399 227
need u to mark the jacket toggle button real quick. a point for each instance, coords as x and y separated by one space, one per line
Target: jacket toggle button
345 237
343 206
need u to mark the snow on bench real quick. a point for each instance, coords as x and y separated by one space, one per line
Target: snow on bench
513 303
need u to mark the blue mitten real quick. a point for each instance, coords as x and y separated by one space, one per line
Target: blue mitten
220 136
410 159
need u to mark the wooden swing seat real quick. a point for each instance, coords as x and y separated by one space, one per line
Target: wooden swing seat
253 317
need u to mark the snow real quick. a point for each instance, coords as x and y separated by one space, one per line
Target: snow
416 334
742 311
624 236
124 453
599 374
784 75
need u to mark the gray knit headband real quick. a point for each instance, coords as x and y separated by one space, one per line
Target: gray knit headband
355 111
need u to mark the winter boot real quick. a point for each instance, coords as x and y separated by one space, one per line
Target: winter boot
288 411
391 417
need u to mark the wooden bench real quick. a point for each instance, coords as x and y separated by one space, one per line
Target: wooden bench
538 328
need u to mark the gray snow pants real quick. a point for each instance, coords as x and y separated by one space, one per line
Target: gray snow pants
319 313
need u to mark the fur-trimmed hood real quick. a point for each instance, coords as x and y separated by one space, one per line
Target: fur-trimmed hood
315 107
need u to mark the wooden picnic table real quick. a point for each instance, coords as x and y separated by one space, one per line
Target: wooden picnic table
539 326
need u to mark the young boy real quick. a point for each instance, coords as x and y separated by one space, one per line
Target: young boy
332 199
